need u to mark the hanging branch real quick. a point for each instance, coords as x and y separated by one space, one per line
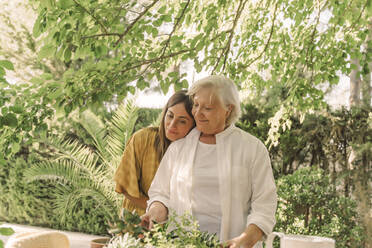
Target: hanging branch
178 21
162 57
348 29
268 40
311 46
135 21
225 51
100 35
92 15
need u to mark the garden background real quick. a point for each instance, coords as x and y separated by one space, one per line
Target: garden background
69 68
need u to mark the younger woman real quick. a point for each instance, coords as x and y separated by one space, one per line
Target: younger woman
146 148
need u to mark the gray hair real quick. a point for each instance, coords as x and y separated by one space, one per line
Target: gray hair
225 90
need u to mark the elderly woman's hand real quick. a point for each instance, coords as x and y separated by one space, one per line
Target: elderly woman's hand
157 213
236 243
247 239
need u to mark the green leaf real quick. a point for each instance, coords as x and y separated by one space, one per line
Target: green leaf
15 147
46 51
6 231
2 71
10 120
65 4
67 54
162 9
7 64
18 109
36 29
173 74
168 18
2 161
46 4
185 83
57 93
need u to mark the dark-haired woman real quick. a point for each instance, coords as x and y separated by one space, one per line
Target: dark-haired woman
146 148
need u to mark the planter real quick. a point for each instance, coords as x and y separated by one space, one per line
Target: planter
99 243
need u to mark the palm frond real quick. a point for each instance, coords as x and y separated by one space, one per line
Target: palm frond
83 173
120 129
69 197
81 155
73 184
64 173
96 129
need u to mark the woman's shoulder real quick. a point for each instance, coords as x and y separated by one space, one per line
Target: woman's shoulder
245 136
147 131
144 136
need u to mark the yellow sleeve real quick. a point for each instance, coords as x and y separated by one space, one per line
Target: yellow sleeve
128 173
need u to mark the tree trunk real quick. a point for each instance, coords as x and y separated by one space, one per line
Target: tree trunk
366 84
355 82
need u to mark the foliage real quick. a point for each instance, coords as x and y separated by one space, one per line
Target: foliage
33 203
6 231
308 204
127 222
110 47
324 140
178 231
147 117
81 174
23 116
255 120
18 45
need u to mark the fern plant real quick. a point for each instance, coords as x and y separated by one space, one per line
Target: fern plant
80 172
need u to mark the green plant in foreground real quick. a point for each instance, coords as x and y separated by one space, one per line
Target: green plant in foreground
127 223
178 231
6 231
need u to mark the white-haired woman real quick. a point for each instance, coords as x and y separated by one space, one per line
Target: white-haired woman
218 172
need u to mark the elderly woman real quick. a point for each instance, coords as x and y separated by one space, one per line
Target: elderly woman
218 172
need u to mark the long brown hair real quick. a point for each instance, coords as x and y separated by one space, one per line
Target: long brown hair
161 141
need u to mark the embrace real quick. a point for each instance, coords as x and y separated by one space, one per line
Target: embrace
217 172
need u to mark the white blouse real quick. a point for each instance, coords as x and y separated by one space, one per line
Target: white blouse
246 183
206 206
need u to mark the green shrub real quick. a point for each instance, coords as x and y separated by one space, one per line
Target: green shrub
147 117
308 204
33 203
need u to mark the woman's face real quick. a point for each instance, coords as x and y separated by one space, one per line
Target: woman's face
209 113
177 122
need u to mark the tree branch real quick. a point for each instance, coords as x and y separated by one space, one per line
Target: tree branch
162 57
135 21
311 47
228 45
225 51
99 35
357 20
268 40
178 20
92 15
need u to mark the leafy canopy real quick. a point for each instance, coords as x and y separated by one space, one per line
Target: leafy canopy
111 47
